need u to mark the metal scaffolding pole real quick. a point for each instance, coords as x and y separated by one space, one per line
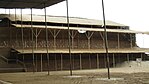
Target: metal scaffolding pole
47 47
105 39
69 41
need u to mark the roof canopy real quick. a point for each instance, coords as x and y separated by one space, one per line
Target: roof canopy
59 19
128 50
27 3
81 29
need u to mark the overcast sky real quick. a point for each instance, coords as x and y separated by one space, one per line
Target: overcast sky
134 13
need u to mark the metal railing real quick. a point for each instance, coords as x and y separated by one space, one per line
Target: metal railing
15 60
4 58
23 64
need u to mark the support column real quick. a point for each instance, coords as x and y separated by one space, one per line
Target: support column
118 41
36 62
119 60
89 35
54 34
114 65
128 58
97 61
80 62
55 62
61 61
73 34
105 61
36 34
41 68
73 65
90 64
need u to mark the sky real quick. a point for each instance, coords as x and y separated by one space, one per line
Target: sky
133 13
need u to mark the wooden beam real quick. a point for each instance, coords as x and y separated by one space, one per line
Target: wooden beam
41 68
61 61
80 62
114 65
97 61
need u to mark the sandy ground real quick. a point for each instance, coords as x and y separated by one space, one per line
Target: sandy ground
122 75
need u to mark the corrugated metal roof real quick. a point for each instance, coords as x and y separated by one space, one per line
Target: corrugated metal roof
81 28
27 3
60 19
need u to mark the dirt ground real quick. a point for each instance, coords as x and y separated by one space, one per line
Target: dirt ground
123 75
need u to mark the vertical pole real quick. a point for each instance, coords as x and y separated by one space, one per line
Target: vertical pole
80 62
89 46
113 60
72 42
73 59
55 62
33 56
128 58
97 61
130 40
118 40
36 62
106 41
22 32
61 61
41 63
47 40
36 39
54 41
69 45
90 65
